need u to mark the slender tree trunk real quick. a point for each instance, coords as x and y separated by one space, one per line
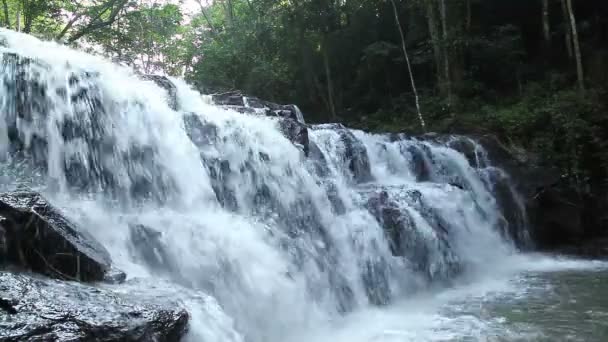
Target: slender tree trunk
207 18
446 53
435 42
18 17
546 28
330 87
7 21
577 49
567 29
409 66
469 18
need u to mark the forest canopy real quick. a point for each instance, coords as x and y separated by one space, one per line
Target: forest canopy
530 71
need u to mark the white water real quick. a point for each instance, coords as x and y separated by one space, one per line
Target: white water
297 256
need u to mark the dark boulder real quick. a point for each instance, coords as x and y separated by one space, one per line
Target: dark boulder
229 99
40 309
167 86
201 133
40 238
557 213
291 120
148 246
354 155
296 132
433 257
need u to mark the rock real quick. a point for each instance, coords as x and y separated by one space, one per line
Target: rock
200 132
432 256
40 238
557 217
291 120
296 132
40 309
148 246
229 99
168 86
419 165
355 154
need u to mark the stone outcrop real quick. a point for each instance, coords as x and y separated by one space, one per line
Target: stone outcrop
430 255
39 238
354 154
167 86
42 309
560 217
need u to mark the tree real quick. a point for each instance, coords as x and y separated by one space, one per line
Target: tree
577 48
567 28
546 28
7 21
446 53
409 66
86 17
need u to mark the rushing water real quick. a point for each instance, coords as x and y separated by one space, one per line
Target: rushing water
369 238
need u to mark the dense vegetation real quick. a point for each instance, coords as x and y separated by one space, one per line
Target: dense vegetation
530 71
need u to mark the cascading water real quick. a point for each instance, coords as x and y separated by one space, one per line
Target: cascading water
261 242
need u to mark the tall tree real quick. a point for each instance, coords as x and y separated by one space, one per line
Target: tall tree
446 51
409 66
567 28
435 42
577 48
7 21
546 27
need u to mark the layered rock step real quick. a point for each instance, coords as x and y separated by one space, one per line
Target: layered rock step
33 308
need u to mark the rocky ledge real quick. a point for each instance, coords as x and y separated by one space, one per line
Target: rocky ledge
44 259
34 308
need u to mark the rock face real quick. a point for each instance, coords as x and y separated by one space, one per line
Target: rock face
37 309
38 237
559 217
168 86
354 153
291 120
430 255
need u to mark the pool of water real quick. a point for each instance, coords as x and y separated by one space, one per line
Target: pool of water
537 298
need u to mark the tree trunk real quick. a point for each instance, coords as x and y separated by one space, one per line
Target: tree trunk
567 29
409 67
469 17
330 87
28 14
546 28
577 49
18 17
7 21
435 42
446 54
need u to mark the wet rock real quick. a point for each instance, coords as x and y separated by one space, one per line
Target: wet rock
296 132
40 309
168 86
355 154
201 133
419 165
407 240
148 246
557 217
228 99
42 239
317 160
291 120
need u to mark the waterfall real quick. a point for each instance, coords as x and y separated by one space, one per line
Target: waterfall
260 240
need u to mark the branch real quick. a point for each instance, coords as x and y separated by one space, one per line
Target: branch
97 23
